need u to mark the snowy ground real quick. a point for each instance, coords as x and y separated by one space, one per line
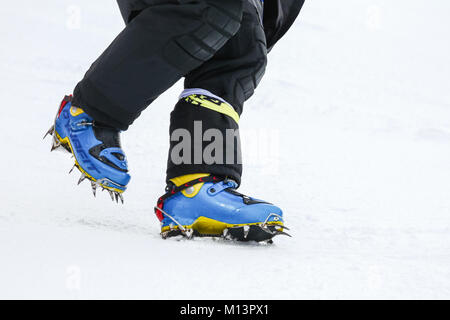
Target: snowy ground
355 113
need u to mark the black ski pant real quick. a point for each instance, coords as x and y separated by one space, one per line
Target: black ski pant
216 45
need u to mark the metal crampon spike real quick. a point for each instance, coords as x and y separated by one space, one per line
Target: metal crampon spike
226 234
82 178
50 131
280 233
276 226
277 231
116 196
94 187
120 197
111 194
55 145
188 233
246 231
74 166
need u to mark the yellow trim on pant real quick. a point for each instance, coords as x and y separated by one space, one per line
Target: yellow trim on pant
213 104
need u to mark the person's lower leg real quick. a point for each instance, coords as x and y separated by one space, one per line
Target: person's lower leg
204 166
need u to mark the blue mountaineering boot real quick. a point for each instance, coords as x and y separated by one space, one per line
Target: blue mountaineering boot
206 205
95 148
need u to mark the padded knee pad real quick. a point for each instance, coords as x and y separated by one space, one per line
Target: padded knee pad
246 86
220 19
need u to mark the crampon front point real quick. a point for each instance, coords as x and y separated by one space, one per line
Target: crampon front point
95 148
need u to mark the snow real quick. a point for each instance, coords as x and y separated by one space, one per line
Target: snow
349 133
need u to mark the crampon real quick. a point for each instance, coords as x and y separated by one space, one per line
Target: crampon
94 147
210 206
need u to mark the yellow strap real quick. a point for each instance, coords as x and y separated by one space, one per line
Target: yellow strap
213 104
188 177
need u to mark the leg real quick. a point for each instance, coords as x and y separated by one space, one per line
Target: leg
232 75
201 198
163 41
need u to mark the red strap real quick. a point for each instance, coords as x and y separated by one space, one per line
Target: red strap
65 101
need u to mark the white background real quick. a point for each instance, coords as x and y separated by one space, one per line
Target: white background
349 133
